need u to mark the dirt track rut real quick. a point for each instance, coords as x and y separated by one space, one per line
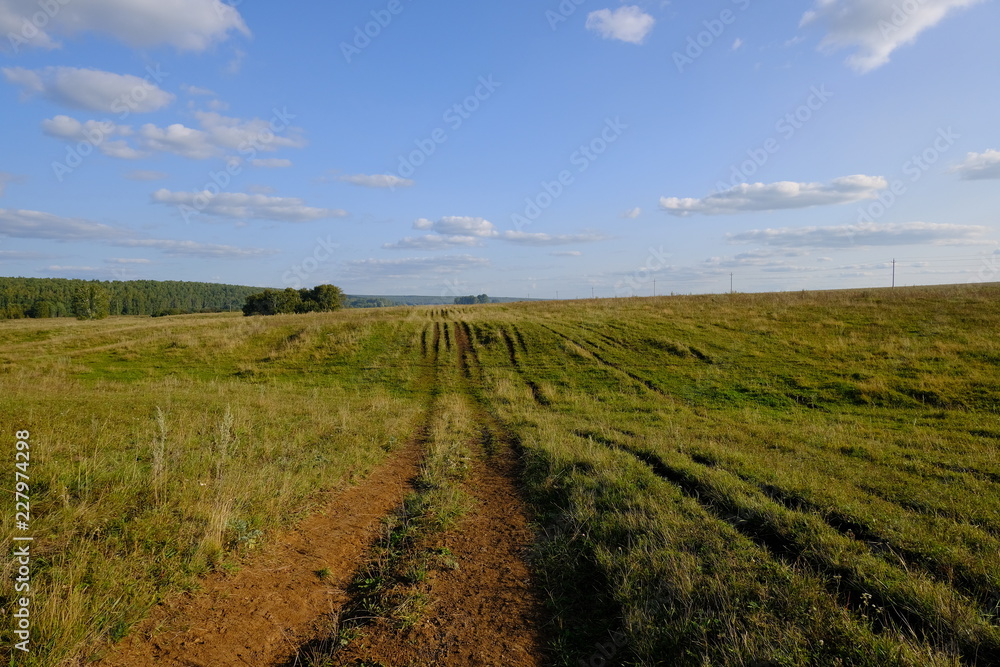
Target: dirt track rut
260 615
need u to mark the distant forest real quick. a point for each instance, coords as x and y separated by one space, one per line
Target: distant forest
93 299
57 297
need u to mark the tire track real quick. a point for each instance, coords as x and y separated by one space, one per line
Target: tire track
520 338
277 604
536 391
784 548
648 384
511 349
261 614
957 575
486 611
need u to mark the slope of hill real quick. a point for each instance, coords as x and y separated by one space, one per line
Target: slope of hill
773 479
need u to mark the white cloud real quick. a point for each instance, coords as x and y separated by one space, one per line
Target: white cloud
458 231
434 242
219 136
414 267
763 258
6 179
127 261
235 64
73 269
628 24
737 44
38 225
90 89
241 206
632 213
876 28
539 239
145 175
18 30
777 196
980 166
179 140
866 234
459 226
197 91
70 129
121 150
188 25
96 133
271 163
17 255
234 134
194 249
566 253
377 181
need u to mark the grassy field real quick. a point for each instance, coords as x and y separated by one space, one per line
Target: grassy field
789 479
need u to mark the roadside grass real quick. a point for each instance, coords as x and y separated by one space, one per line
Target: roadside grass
152 471
764 479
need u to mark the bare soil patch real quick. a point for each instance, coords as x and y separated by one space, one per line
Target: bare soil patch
485 612
261 614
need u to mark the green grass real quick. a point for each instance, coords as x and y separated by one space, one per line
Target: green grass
778 479
153 466
774 479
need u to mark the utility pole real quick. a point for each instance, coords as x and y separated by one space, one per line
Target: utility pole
730 283
654 287
893 274
592 296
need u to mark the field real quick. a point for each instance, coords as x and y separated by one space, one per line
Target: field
773 479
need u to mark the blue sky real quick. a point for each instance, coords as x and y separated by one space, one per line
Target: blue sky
519 149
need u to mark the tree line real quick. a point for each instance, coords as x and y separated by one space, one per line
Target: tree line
471 300
320 299
95 299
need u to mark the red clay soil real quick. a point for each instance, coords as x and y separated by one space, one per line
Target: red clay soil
263 613
484 613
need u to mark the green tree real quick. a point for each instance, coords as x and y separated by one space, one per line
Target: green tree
471 300
91 302
264 303
324 298
42 309
289 301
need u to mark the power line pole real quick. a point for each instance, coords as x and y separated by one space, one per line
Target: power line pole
893 274
654 287
730 283
592 295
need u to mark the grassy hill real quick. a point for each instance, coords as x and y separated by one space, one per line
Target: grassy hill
769 479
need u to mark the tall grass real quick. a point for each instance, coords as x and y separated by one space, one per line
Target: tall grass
763 479
166 449
783 479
